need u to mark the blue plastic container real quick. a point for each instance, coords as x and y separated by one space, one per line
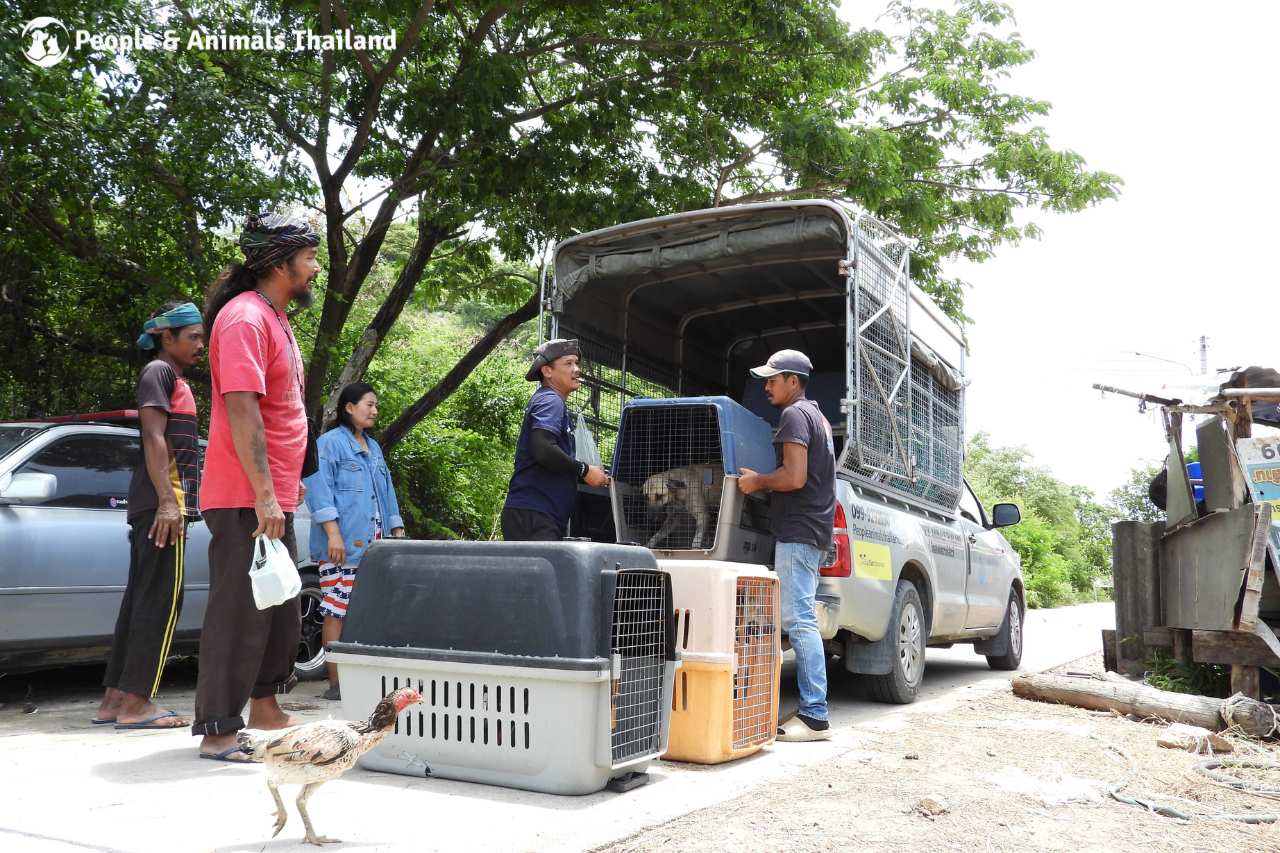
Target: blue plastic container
1193 472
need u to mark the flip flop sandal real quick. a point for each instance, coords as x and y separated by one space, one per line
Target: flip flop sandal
147 723
225 755
98 722
333 693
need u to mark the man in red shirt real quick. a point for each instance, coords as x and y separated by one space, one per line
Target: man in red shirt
251 483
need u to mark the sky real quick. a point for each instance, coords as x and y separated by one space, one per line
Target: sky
1178 100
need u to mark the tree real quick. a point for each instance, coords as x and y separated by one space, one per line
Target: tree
1064 540
494 128
1129 501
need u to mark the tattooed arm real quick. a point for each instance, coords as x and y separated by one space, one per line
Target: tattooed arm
250 440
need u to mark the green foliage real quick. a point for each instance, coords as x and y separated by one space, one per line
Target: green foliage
1165 672
1129 501
1064 540
495 129
451 470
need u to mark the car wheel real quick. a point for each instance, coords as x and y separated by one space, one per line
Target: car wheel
1011 634
909 632
310 664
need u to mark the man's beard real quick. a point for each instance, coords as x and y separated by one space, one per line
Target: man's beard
305 297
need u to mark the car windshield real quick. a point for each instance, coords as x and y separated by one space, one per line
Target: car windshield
11 435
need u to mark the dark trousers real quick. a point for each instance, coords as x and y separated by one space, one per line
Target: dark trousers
244 652
527 525
148 612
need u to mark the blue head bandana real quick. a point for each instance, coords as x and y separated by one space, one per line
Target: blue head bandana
186 314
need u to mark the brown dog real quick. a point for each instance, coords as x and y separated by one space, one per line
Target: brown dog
691 489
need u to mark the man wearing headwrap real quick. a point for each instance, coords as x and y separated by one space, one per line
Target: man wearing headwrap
545 481
252 479
161 502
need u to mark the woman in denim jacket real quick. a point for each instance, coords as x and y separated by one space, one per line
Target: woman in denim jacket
352 502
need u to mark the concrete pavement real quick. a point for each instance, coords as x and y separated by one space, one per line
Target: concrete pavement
66 785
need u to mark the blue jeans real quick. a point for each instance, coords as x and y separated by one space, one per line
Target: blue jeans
797 566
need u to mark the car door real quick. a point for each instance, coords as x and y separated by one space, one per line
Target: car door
986 579
67 560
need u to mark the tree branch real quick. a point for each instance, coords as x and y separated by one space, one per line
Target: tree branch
369 109
452 380
429 236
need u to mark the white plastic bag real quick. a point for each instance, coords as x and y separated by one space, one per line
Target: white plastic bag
585 449
272 573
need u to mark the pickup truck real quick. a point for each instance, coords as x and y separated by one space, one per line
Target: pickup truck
681 306
64 486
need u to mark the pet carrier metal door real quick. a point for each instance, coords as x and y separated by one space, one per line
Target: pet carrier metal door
638 658
754 635
879 294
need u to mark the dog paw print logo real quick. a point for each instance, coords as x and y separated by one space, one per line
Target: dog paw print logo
45 41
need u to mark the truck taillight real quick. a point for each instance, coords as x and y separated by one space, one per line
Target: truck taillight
841 566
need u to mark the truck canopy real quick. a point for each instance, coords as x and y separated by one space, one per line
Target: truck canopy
683 305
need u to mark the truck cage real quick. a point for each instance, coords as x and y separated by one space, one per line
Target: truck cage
895 399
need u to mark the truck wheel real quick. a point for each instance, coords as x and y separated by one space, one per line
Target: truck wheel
909 631
310 664
1011 633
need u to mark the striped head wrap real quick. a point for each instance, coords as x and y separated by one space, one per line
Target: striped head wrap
270 240
186 314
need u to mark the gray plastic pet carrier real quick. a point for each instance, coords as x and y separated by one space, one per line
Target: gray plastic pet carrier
675 479
542 665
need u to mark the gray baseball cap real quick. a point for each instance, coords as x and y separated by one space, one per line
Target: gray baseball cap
784 361
549 352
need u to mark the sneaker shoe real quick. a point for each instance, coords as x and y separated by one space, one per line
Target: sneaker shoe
801 728
333 693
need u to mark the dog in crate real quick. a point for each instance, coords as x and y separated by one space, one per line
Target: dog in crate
694 490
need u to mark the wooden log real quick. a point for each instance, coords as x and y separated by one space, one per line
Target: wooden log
1254 718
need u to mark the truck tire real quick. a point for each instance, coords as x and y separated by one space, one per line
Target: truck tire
907 625
310 663
1011 635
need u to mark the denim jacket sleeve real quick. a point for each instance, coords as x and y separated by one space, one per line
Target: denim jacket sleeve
387 493
320 486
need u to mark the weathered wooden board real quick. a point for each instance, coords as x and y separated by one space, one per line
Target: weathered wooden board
1135 550
1204 567
1224 484
1232 647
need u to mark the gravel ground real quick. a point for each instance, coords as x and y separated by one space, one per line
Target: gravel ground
995 773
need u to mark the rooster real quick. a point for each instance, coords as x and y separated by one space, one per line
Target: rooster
314 753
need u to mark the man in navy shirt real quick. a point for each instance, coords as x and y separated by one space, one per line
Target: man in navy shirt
546 476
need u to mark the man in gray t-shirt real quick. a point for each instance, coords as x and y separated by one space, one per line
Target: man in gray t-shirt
802 513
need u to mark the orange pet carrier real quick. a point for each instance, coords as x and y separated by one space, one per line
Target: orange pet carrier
725 701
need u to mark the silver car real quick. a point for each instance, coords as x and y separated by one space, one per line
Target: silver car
64 546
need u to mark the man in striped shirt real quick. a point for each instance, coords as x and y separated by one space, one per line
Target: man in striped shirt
162 501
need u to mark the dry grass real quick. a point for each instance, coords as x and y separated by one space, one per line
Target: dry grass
867 799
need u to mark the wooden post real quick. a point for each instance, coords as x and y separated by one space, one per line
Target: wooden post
1135 571
1246 680
1109 661
1182 646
